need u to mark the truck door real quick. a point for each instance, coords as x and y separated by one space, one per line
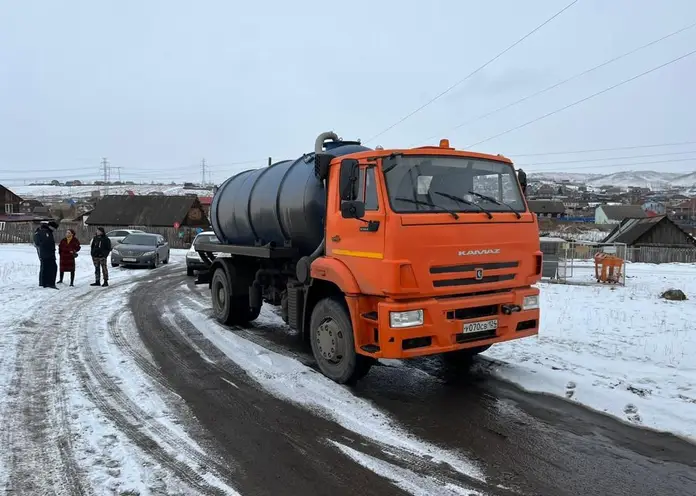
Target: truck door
359 243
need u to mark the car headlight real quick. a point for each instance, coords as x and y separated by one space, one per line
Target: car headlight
115 252
193 254
410 318
530 302
149 254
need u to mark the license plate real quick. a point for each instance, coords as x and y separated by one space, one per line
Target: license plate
481 326
130 259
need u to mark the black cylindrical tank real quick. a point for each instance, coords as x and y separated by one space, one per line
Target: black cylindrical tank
283 203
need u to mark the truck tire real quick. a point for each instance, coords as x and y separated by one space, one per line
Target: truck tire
230 309
333 346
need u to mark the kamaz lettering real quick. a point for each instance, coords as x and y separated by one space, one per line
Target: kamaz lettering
490 251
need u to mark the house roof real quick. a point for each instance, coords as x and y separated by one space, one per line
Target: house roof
151 211
19 198
629 231
621 212
546 206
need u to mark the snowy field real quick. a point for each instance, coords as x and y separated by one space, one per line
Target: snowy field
86 191
619 350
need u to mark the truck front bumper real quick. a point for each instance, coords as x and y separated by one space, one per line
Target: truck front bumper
499 317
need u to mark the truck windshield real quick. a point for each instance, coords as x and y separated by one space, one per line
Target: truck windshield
428 183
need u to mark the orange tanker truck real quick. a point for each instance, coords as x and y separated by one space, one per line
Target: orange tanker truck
378 253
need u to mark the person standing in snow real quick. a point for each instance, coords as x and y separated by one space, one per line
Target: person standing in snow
101 247
67 251
46 245
38 254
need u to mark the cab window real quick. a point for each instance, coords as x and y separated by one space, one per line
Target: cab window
367 189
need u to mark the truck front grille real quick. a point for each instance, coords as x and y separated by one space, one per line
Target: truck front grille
472 274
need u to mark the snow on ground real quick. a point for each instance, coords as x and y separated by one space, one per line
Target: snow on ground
86 191
74 395
619 350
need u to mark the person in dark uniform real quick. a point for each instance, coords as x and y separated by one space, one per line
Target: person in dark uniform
46 246
522 178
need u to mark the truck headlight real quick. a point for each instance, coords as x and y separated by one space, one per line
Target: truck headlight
530 302
410 318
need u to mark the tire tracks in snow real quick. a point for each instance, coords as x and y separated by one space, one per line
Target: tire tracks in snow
39 434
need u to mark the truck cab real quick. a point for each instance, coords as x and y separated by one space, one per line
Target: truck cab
438 248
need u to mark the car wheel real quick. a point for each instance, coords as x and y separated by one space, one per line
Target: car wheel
189 272
155 262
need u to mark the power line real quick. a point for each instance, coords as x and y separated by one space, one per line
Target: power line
583 99
440 95
571 78
634 147
605 158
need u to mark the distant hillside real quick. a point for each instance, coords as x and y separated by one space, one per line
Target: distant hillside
86 191
624 179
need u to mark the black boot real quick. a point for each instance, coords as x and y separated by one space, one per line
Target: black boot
96 283
106 283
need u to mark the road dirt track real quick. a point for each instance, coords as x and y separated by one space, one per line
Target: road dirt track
529 444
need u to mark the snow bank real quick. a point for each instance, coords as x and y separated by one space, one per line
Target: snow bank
621 350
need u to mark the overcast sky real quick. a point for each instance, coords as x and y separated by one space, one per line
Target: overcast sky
155 86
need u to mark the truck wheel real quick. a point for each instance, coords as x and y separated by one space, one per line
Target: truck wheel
220 292
333 346
242 312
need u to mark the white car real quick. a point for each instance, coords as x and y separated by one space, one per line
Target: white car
116 236
193 259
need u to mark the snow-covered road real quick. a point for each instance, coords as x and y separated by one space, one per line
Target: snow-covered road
134 389
85 409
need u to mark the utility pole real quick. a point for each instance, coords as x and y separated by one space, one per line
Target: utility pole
106 169
203 172
118 173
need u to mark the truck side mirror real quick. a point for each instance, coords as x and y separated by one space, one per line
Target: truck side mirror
352 209
348 179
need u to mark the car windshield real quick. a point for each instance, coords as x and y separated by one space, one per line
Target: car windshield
456 184
140 239
206 238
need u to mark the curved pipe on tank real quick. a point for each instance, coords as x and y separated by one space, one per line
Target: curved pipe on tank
319 143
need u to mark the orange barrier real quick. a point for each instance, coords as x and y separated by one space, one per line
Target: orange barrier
608 268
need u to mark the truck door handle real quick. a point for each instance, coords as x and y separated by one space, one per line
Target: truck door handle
336 238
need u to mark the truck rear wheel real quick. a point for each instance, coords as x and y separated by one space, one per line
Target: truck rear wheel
333 346
230 309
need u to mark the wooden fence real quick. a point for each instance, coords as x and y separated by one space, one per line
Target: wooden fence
24 233
661 254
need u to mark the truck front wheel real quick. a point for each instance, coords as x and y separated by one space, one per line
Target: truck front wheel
333 346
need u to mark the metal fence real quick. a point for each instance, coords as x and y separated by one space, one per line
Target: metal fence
24 233
568 261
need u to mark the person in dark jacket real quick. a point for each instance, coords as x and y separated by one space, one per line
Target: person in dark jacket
67 252
36 245
46 245
101 247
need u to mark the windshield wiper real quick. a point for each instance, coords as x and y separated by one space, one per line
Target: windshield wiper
464 201
417 202
497 202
